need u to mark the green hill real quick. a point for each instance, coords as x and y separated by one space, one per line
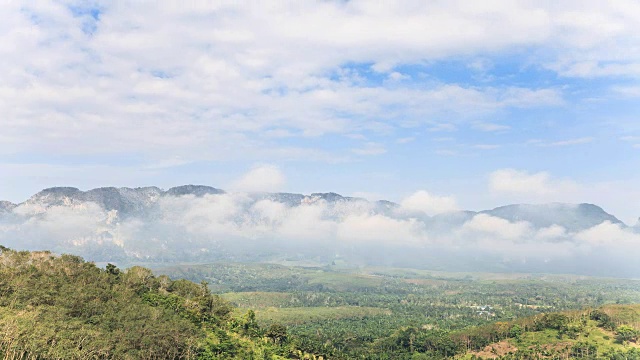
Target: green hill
61 307
608 332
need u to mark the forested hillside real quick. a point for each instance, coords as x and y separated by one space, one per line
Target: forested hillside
61 307
609 332
386 313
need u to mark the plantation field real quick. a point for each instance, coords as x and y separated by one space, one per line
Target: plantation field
298 316
340 311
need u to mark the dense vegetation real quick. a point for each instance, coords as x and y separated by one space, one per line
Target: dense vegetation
61 307
605 333
348 313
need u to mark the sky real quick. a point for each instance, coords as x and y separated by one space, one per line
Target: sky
465 105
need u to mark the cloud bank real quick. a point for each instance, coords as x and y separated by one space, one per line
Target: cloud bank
430 204
195 80
523 182
259 227
266 178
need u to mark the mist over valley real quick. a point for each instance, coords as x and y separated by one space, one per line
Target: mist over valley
195 223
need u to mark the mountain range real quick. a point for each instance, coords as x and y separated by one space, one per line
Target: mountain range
202 223
129 202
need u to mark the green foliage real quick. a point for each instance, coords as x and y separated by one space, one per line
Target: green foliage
553 321
516 331
625 333
603 319
112 270
277 333
61 307
584 350
380 313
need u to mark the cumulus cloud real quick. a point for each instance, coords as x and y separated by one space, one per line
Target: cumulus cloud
241 226
196 81
523 182
261 178
497 227
377 228
222 81
308 223
56 227
609 234
551 233
423 201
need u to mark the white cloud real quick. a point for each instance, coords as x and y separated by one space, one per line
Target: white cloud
635 140
261 178
446 152
378 228
509 186
609 234
627 91
551 233
486 146
370 149
405 140
568 142
308 223
490 127
231 222
429 204
523 182
169 85
502 228
196 81
397 76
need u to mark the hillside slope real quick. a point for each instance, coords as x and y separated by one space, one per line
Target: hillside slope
61 307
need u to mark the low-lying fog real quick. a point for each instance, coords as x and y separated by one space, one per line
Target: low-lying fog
324 228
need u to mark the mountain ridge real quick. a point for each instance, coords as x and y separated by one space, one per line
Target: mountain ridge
132 201
203 223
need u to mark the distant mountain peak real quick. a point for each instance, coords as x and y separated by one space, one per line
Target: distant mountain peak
131 201
200 223
197 190
333 197
6 206
573 217
58 190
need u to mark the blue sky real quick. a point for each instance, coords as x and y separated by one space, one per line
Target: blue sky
479 104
